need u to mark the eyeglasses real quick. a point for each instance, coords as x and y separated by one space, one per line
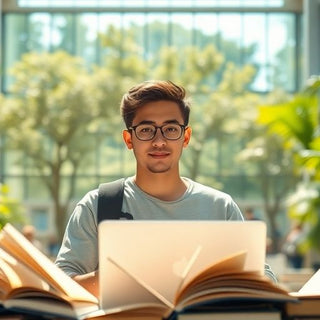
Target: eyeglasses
170 131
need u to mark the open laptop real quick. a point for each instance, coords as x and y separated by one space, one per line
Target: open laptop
137 254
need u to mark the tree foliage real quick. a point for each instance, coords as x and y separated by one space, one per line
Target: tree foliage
11 209
296 121
58 109
50 115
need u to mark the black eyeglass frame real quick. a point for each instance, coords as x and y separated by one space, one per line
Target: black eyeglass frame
182 126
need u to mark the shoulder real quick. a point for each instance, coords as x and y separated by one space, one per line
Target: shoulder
89 202
86 207
220 203
90 198
204 190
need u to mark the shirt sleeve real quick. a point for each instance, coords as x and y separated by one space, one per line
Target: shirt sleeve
233 212
79 250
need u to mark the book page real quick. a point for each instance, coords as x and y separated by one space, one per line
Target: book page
143 284
18 275
12 241
225 266
312 286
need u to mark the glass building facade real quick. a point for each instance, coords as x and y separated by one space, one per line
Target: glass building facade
264 34
267 34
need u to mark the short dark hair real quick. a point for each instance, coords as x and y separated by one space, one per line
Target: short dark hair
153 90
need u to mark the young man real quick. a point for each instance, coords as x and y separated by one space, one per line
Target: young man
156 115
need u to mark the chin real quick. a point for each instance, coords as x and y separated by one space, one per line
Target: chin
158 170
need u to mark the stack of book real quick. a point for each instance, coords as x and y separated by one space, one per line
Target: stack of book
308 306
32 286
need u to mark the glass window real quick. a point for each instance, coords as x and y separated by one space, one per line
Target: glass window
206 25
109 19
157 32
133 25
150 3
267 40
17 186
86 38
254 32
14 44
230 29
105 23
182 29
34 188
40 219
14 163
40 32
281 51
62 33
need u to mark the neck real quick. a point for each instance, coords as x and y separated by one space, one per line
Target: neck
162 186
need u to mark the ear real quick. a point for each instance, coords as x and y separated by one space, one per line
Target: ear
187 136
126 135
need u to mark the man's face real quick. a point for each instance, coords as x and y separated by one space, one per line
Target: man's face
158 155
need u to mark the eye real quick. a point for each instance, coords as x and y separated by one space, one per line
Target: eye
145 129
171 128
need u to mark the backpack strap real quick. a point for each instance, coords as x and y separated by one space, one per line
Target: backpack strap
110 200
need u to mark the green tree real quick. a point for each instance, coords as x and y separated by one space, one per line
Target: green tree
57 110
276 176
273 164
11 209
216 112
50 114
296 121
215 107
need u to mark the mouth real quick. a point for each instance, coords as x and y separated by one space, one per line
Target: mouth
159 154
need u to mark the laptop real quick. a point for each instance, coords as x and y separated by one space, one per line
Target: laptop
139 254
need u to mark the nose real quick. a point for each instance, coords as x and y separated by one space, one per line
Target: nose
158 139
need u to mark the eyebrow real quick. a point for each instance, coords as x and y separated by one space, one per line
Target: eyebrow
153 122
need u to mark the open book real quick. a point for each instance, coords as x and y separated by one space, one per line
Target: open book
224 285
30 282
309 299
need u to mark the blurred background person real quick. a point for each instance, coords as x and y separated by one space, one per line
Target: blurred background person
29 232
249 214
291 246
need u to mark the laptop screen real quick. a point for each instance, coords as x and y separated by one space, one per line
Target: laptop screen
160 254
